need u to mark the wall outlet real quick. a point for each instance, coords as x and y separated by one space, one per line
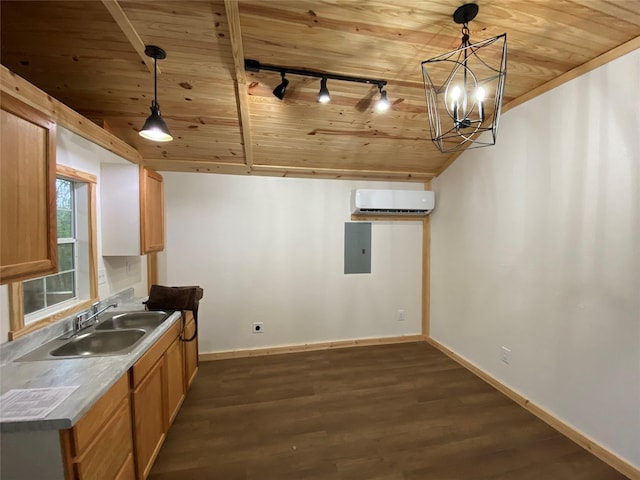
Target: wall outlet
102 276
505 355
257 327
401 315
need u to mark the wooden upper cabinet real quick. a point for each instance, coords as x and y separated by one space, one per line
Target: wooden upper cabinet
151 211
28 239
128 231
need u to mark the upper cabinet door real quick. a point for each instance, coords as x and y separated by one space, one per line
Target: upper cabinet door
28 239
151 211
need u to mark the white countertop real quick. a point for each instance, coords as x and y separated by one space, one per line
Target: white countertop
93 375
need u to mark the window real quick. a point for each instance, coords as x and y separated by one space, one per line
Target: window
46 292
40 301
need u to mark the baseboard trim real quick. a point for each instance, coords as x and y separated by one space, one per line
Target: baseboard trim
585 442
308 347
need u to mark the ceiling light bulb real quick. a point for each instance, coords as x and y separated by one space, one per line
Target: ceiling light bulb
323 96
383 102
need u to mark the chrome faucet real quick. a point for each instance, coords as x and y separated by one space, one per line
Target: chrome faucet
81 320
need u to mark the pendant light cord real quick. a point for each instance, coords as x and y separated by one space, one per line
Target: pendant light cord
155 81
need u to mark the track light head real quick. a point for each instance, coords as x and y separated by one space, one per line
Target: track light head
383 102
281 89
323 95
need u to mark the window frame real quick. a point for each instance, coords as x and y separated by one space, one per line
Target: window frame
17 327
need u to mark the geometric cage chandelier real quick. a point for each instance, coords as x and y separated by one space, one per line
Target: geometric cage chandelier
464 89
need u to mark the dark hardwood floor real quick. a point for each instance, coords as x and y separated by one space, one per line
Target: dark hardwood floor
391 412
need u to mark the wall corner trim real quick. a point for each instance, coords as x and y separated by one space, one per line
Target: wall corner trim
570 432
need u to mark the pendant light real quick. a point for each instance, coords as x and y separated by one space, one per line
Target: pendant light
464 89
154 128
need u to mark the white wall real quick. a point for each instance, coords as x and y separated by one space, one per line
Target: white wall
271 250
536 247
121 272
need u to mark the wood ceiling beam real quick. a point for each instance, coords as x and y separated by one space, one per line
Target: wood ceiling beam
344 173
233 18
114 8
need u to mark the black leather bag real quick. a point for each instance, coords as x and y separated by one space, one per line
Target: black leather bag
176 298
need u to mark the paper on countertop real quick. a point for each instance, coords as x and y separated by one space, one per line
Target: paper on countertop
32 403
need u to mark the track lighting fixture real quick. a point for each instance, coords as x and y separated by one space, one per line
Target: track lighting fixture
281 89
469 101
323 94
383 102
154 128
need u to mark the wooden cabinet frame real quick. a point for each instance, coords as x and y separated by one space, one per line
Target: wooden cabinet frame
17 327
26 253
151 211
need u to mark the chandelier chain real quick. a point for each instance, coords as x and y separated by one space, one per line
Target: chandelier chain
465 34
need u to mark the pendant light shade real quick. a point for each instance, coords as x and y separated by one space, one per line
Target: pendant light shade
464 89
154 127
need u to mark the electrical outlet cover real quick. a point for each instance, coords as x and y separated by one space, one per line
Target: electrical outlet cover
505 355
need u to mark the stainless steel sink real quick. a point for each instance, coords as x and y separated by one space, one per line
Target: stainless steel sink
146 320
99 343
118 334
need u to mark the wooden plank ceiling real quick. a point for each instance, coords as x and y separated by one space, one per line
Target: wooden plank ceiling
225 120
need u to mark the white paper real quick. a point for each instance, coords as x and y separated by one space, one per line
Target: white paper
32 403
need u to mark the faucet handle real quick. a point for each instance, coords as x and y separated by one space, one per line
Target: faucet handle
77 322
94 308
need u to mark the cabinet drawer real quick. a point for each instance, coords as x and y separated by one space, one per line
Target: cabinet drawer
149 359
84 432
105 458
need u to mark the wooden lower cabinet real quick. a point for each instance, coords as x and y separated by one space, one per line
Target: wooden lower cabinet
174 381
148 406
100 446
190 351
121 435
157 391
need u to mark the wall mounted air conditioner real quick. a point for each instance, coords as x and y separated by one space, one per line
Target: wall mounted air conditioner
392 202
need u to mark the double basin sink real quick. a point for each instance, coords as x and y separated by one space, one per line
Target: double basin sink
118 334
